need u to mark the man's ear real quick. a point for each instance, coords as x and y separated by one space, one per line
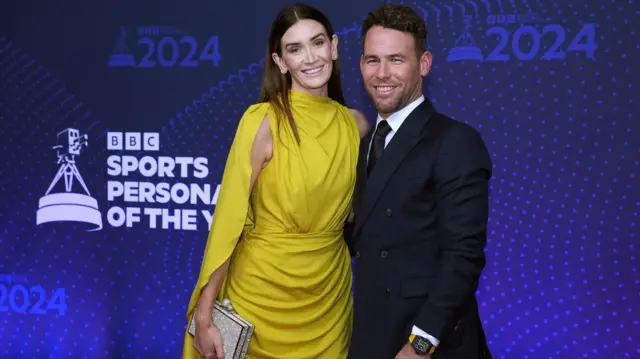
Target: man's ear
425 63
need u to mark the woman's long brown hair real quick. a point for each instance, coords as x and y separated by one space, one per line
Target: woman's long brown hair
275 85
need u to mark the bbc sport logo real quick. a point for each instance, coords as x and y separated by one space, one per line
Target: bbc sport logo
69 206
172 191
180 199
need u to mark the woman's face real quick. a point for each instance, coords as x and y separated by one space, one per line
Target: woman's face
308 54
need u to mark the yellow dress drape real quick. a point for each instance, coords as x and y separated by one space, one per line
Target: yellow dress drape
290 274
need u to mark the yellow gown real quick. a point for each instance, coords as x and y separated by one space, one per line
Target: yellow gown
290 274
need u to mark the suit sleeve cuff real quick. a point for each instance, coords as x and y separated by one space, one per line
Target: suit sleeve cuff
419 332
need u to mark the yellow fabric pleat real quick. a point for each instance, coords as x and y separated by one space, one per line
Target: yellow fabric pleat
290 274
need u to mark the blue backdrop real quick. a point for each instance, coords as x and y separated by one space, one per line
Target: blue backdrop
105 270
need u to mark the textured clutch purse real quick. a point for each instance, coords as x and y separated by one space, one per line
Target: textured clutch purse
236 331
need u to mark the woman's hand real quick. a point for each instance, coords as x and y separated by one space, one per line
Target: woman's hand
208 340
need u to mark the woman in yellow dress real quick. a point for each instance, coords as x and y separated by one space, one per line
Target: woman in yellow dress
276 246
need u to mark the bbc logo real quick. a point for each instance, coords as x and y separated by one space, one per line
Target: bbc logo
133 141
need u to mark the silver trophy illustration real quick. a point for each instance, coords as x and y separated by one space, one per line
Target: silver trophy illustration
69 206
465 48
121 56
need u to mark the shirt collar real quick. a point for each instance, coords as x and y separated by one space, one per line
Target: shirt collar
397 118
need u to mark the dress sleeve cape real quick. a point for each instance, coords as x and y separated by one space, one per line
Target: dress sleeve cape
232 215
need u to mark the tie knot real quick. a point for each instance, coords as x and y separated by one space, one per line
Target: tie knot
383 129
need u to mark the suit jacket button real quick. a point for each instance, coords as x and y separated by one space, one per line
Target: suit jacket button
388 212
357 255
455 329
387 291
384 254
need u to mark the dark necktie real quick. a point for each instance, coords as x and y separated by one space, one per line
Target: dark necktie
377 146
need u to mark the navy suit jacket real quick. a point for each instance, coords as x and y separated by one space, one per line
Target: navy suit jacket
418 239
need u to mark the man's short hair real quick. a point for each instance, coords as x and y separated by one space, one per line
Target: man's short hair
401 18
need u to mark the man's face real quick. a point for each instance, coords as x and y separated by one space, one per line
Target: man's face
391 71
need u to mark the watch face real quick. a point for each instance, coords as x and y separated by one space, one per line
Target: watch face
421 345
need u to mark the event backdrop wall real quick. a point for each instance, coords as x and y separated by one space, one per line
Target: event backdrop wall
150 95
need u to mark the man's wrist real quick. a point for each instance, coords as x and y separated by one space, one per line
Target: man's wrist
421 345
419 332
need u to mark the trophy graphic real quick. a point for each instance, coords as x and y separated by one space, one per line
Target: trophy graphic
465 48
121 56
69 206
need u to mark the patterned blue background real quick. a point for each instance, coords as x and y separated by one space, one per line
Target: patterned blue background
560 120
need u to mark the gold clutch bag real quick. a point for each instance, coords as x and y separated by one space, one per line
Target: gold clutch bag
236 331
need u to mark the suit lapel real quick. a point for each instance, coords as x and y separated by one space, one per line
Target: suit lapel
408 135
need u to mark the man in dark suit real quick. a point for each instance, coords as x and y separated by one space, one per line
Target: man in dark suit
421 208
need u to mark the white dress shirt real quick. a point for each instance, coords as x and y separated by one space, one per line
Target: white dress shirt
395 121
